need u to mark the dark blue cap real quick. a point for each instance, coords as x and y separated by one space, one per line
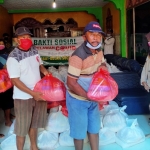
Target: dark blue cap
22 31
93 26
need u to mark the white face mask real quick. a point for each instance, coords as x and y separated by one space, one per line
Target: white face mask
93 47
108 34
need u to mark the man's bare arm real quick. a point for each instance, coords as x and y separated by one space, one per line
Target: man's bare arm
75 87
20 85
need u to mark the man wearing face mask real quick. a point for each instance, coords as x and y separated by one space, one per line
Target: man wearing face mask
83 114
24 66
109 43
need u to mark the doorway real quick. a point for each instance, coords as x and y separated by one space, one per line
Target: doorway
138 25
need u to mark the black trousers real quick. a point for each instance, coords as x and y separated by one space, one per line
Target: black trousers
6 100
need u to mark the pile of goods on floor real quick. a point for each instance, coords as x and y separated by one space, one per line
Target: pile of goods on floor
115 125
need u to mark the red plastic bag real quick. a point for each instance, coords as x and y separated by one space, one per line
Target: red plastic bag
103 87
5 81
51 88
55 104
64 110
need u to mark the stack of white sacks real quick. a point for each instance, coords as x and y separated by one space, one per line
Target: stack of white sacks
115 126
55 134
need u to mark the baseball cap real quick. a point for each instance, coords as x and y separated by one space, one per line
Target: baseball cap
22 31
93 26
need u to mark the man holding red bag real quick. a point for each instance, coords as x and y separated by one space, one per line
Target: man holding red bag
83 114
24 65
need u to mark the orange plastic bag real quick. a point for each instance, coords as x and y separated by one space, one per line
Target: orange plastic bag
5 82
51 88
103 87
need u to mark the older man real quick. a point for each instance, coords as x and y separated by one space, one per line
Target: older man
84 114
24 65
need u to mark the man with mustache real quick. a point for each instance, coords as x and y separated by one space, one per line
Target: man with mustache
83 114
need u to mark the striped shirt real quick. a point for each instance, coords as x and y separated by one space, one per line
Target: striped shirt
83 63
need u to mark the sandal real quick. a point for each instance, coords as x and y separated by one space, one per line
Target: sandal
2 135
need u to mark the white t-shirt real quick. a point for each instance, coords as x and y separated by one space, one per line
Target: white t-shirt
108 47
25 66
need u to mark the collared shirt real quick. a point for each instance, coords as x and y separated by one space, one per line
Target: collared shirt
84 63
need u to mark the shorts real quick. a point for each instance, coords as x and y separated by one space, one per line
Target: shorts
29 114
84 116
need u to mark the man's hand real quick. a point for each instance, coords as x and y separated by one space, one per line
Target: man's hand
102 66
38 96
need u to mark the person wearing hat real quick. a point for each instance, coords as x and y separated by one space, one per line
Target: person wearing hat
24 66
83 114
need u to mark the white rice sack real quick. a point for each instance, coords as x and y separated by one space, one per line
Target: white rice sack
63 68
115 119
112 105
106 136
10 143
57 122
114 69
47 140
11 129
66 140
63 74
57 75
130 135
52 69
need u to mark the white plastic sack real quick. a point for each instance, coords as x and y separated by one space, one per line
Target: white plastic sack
130 135
57 122
11 129
109 68
115 119
114 69
47 140
63 74
66 140
62 68
112 105
106 136
52 69
10 143
57 75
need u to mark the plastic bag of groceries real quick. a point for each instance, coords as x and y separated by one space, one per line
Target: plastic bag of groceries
10 143
51 88
115 119
47 140
130 135
103 87
57 122
106 136
66 140
5 82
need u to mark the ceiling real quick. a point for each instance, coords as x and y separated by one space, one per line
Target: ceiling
47 4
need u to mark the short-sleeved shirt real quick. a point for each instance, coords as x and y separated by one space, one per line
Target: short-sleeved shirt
83 63
25 66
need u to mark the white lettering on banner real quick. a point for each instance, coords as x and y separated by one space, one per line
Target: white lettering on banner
57 46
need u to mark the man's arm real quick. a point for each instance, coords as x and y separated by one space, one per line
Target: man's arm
44 70
20 85
75 87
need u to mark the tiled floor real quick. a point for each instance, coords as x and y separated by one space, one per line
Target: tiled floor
143 123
